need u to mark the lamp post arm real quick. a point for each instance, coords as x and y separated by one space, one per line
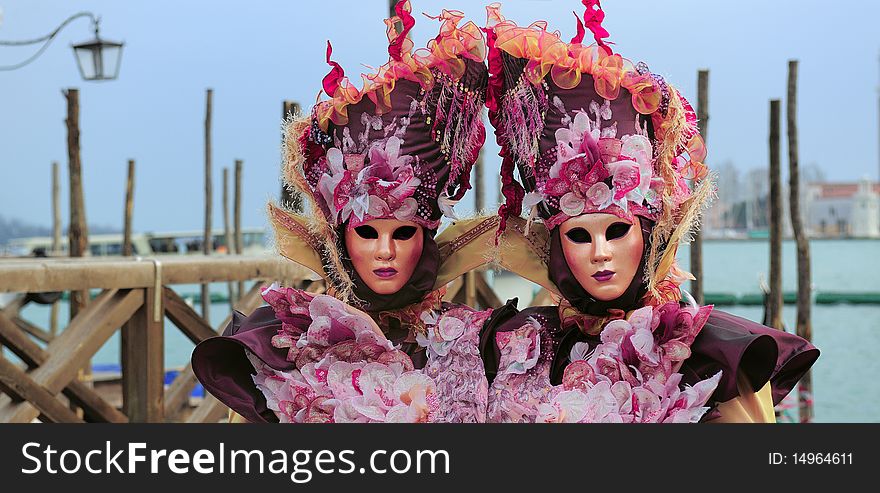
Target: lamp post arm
47 39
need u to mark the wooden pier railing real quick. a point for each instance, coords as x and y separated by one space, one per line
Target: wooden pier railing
135 298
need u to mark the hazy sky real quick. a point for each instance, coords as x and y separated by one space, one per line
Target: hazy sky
257 54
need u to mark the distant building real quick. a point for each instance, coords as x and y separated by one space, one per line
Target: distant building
844 209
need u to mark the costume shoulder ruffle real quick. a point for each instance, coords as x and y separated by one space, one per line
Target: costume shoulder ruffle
733 344
222 366
308 358
726 343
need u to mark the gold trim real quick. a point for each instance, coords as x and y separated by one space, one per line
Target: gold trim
464 246
295 241
526 254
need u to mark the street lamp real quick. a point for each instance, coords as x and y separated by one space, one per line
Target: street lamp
97 59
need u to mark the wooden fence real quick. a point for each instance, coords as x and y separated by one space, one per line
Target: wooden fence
135 299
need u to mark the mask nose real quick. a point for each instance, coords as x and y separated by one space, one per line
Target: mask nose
385 250
601 253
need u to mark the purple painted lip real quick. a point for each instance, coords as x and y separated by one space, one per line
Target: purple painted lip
604 275
386 272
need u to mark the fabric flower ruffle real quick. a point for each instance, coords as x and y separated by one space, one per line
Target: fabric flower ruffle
451 340
595 171
346 370
360 190
631 376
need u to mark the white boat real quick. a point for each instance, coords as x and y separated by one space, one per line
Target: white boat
254 242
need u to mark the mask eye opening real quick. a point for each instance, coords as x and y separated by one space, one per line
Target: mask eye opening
404 233
579 235
617 230
367 232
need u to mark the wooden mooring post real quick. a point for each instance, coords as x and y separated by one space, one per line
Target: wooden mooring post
77 229
289 198
804 325
127 249
239 236
227 233
208 237
697 243
56 239
774 317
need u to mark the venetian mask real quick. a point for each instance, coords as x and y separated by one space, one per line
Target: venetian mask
603 252
385 252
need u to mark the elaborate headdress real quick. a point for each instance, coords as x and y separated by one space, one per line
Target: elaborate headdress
402 147
590 131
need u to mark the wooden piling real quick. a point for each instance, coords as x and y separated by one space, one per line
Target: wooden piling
227 233
77 230
143 365
697 243
479 196
207 240
239 240
290 199
804 326
56 239
391 4
127 249
56 209
775 302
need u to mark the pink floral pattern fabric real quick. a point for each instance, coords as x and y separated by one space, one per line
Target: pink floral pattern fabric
588 152
347 371
454 363
523 379
630 377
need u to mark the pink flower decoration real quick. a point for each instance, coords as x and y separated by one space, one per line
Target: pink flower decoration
520 348
626 177
571 204
407 209
599 194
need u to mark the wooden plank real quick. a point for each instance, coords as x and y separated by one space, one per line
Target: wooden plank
177 395
143 364
453 288
18 384
18 342
470 289
180 389
543 298
71 350
95 408
185 318
485 294
60 274
33 330
209 411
